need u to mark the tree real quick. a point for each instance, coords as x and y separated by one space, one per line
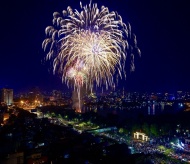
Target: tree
135 127
121 130
165 129
154 130
145 128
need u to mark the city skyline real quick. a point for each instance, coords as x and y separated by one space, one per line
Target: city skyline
162 35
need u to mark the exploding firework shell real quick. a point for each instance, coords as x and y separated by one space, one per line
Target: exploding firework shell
89 46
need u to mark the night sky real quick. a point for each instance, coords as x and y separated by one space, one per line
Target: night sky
162 28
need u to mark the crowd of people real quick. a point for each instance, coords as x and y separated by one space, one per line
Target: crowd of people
156 154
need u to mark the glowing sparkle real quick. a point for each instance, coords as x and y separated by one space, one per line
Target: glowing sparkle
89 47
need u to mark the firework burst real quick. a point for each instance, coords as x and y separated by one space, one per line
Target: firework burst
89 46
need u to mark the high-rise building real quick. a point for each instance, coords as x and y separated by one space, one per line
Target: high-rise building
7 96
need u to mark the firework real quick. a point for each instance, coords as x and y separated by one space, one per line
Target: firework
90 46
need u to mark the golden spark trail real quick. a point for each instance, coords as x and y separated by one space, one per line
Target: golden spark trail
89 47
